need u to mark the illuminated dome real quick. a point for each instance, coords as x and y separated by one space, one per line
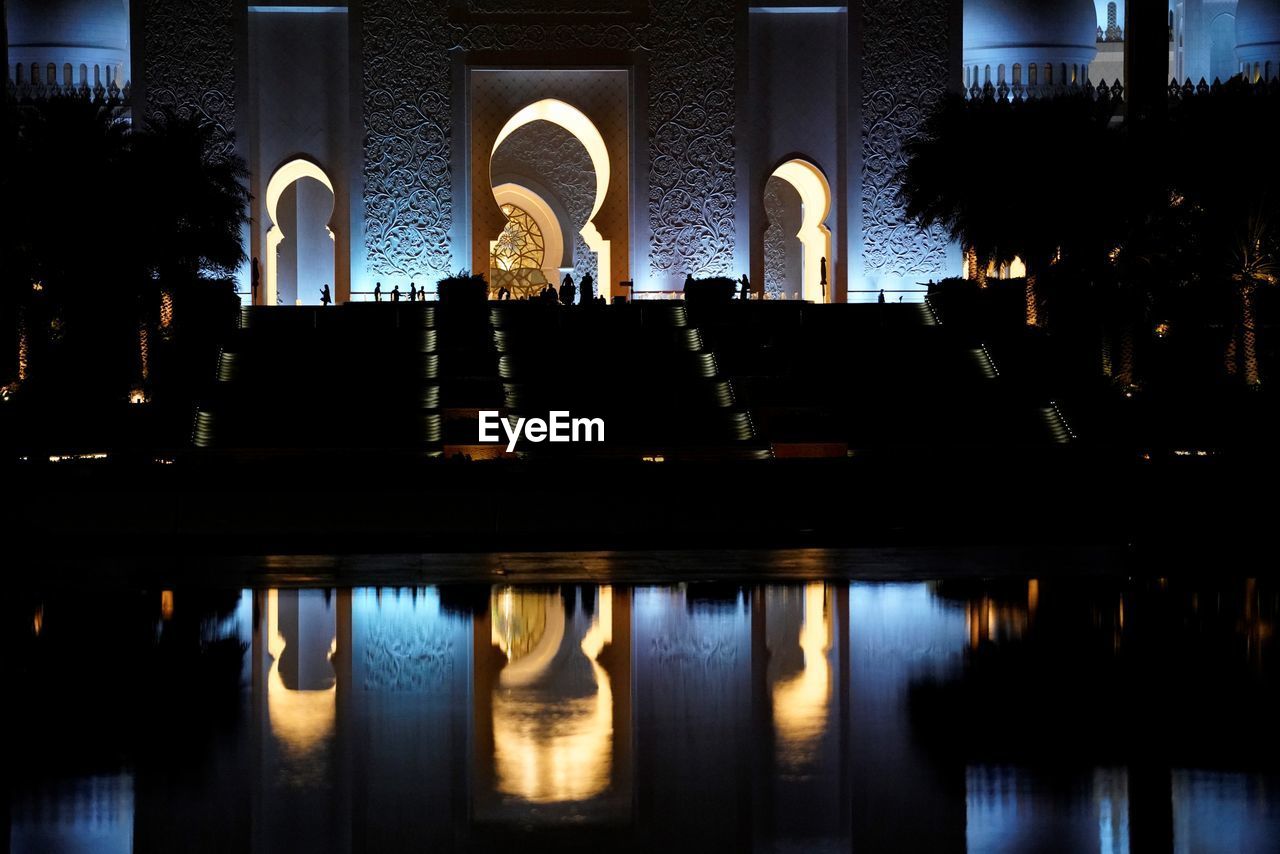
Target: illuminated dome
1258 37
1060 35
88 38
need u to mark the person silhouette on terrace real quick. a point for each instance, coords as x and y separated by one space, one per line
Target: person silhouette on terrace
377 291
880 299
746 286
255 279
325 297
568 290
588 290
550 294
395 294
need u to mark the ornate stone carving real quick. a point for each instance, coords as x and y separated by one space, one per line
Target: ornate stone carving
188 60
904 73
408 121
408 198
692 193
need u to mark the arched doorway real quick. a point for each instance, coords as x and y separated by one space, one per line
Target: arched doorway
797 241
300 242
576 122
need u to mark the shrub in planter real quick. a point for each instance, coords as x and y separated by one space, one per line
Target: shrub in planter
713 290
463 288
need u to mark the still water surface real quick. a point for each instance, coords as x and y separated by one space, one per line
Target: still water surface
1087 715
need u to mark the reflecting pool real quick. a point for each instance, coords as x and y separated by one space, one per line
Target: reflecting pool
1020 714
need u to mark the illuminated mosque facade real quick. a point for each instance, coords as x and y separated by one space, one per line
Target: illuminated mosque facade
393 142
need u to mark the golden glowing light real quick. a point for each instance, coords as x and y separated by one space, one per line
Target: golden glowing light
166 604
37 622
166 308
552 741
541 212
800 702
516 257
139 395
575 122
301 720
23 347
814 236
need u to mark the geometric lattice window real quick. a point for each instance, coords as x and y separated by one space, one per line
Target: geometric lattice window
516 263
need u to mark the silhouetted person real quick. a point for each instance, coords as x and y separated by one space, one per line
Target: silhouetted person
395 294
587 290
688 280
568 291
377 291
746 286
822 276
550 294
255 279
568 280
325 297
880 299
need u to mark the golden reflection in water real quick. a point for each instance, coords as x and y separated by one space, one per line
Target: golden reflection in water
800 701
37 622
552 718
301 720
166 604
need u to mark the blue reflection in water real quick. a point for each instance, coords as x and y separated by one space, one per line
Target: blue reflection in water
1215 811
717 717
1014 810
91 815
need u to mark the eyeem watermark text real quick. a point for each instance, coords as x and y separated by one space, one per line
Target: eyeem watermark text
558 426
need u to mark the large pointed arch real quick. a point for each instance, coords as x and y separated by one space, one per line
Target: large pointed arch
814 236
575 122
291 172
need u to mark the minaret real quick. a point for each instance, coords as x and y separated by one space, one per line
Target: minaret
1114 33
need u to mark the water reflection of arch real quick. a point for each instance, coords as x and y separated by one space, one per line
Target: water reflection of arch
552 704
301 650
801 678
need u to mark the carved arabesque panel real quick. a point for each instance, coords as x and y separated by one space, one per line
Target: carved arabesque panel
692 191
188 60
904 74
